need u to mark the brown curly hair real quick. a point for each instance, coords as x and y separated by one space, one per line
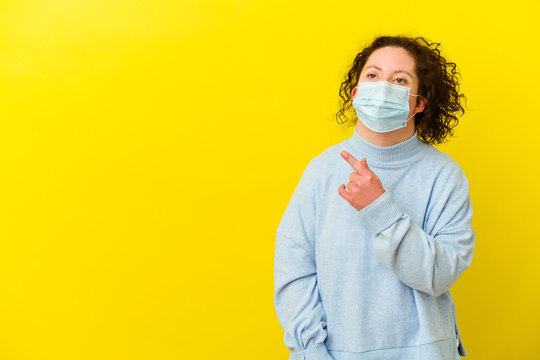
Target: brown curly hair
438 83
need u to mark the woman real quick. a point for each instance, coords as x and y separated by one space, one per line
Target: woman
364 271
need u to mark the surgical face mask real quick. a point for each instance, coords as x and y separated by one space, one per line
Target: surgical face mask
382 106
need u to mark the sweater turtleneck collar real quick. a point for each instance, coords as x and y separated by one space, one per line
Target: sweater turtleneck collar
395 155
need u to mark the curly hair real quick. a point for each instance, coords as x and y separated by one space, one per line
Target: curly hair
438 83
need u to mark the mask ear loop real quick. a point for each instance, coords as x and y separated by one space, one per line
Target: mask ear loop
405 122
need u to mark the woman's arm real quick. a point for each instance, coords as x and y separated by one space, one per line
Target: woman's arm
430 262
296 293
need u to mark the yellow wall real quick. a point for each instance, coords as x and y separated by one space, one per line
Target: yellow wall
149 148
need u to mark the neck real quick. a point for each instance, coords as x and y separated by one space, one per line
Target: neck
386 139
395 155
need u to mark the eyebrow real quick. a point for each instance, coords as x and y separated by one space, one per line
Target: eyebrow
397 71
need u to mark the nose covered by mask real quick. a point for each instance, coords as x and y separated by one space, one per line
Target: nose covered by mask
382 106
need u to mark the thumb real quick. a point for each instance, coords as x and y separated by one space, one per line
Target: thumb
364 165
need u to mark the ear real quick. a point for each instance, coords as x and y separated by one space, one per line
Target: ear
421 104
353 93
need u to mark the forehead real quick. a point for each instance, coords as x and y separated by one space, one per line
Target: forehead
391 58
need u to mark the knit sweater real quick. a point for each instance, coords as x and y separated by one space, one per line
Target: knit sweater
374 283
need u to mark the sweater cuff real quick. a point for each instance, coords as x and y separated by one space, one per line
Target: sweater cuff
315 352
381 213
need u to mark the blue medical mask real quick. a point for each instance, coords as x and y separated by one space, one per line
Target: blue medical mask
382 106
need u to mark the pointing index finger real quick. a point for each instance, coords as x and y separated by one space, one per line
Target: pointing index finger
356 165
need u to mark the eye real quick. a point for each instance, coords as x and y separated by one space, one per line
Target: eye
400 80
370 77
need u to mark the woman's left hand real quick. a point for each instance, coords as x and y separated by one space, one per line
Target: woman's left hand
364 186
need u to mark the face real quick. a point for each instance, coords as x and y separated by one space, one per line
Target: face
395 65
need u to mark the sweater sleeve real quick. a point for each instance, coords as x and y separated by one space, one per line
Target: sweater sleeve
296 293
427 261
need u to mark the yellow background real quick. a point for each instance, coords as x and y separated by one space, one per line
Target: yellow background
149 149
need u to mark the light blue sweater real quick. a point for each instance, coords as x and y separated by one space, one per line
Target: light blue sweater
375 283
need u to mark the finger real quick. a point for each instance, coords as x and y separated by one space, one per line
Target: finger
344 194
364 162
351 160
364 168
352 186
